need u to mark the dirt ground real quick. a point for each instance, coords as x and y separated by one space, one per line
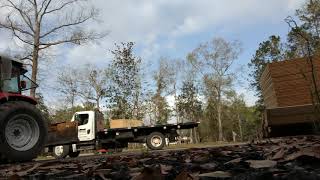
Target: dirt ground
282 158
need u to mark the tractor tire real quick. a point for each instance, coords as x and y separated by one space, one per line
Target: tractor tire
74 154
155 141
61 152
23 131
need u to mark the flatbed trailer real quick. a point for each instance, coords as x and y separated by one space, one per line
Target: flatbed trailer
86 132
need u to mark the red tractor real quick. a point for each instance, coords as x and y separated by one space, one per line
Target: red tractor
23 130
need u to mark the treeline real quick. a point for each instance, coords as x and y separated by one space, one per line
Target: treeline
198 88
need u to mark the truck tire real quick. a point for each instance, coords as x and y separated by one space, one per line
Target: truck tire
74 154
61 152
23 131
156 141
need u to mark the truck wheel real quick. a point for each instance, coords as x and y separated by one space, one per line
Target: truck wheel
23 131
74 154
60 152
155 141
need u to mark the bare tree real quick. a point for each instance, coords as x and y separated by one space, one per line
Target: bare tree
86 83
214 60
93 84
41 24
164 77
69 84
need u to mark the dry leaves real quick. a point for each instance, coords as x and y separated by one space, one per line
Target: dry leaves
281 158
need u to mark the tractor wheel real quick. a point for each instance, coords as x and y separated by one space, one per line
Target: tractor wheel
155 141
23 131
61 152
74 154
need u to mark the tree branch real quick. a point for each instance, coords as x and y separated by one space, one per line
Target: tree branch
65 25
23 14
44 7
47 45
14 29
61 7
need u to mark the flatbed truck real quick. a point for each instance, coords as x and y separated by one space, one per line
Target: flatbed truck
86 131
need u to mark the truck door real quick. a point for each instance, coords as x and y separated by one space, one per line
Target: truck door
86 130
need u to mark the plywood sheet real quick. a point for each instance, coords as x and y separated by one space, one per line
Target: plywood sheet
125 123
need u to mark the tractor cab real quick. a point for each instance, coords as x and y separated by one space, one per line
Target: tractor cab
23 130
12 77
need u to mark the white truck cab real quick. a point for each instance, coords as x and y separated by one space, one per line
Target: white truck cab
86 125
89 123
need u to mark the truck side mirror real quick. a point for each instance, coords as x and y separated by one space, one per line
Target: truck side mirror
23 84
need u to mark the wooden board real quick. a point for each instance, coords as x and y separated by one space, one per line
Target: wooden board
125 123
291 115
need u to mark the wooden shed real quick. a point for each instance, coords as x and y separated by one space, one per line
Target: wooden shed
289 83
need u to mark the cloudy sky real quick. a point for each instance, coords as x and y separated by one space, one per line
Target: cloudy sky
172 28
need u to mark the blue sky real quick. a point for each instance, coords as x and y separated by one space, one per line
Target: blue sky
172 28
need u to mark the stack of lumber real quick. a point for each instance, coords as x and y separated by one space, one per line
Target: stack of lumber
125 123
290 115
289 82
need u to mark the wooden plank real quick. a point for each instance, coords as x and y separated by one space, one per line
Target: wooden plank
125 123
291 115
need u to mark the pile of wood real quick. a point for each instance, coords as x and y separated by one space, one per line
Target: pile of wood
125 123
289 82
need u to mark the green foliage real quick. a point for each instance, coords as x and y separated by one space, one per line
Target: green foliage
42 107
163 78
188 104
268 51
125 89
161 109
305 37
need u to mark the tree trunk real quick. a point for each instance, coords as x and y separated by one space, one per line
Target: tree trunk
191 136
196 135
240 127
72 101
35 58
220 138
98 103
34 70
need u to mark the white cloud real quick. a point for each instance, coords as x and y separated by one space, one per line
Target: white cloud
146 22
159 24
